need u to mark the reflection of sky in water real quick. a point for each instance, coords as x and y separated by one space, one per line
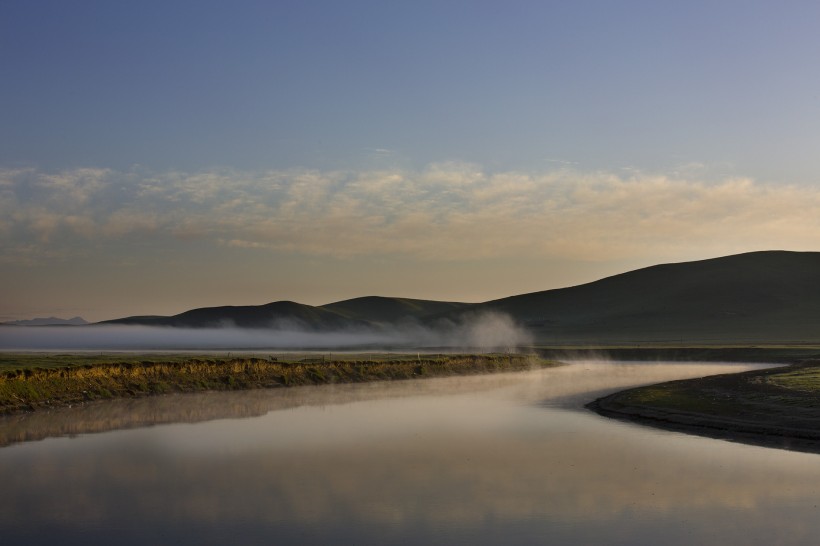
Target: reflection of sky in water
480 465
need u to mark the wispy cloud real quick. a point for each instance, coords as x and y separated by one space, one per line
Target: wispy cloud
448 211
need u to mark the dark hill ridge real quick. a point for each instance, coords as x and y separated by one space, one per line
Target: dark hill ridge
284 314
50 321
759 296
771 297
357 313
393 310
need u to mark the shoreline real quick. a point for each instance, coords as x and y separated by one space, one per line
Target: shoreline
27 389
775 407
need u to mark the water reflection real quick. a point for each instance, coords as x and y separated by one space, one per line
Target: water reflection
103 416
511 459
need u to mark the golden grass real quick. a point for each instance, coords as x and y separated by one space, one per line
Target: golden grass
26 388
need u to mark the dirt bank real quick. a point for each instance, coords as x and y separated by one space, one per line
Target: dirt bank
776 407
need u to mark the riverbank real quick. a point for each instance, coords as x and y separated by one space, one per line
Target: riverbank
671 352
66 380
775 407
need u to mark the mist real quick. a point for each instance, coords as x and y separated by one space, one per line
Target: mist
481 332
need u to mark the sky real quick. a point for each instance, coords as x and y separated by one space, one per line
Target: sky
161 156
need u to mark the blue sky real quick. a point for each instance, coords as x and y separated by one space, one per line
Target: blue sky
314 151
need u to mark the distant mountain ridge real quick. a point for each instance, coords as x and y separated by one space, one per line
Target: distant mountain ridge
49 321
768 296
280 313
357 313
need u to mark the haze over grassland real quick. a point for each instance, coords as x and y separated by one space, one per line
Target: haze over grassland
482 332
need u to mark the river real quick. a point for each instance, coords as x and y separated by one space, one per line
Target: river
497 459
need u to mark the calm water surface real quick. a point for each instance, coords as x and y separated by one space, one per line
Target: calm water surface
507 459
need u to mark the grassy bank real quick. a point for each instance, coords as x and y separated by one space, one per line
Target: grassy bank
30 382
777 407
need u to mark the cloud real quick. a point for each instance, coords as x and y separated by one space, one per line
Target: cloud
448 211
124 222
77 186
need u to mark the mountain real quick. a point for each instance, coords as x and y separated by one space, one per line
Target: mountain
758 297
50 321
771 296
284 314
357 313
393 310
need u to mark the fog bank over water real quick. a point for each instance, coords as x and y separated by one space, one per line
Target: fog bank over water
486 331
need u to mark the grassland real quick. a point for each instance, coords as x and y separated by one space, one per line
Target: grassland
777 407
30 381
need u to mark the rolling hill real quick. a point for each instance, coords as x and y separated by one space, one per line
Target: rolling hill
393 310
758 297
357 313
283 314
771 296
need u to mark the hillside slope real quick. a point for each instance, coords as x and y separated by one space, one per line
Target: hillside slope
282 314
760 296
392 310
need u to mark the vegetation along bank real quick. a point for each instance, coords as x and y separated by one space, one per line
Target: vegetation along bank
65 380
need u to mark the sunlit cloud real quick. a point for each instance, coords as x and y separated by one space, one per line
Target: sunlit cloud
448 211
127 221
